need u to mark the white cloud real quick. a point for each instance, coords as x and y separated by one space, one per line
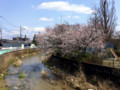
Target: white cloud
65 6
30 31
15 32
34 29
68 17
118 28
27 31
76 17
39 29
46 19
10 34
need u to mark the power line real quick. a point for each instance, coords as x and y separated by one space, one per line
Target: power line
4 27
8 22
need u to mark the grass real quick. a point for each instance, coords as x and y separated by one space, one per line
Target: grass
83 57
21 75
12 61
4 88
15 65
4 74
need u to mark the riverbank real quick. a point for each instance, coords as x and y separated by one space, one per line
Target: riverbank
77 79
8 59
32 74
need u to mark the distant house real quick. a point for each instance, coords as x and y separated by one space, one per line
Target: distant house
12 43
16 38
21 39
109 46
16 42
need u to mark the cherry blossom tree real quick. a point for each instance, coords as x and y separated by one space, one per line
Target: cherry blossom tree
70 38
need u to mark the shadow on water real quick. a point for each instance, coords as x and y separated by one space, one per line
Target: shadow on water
31 68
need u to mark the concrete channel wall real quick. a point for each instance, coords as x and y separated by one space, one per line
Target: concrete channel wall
5 58
91 70
102 72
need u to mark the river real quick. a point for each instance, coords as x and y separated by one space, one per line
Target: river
31 67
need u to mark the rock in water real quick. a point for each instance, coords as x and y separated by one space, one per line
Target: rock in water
18 63
44 73
53 82
15 88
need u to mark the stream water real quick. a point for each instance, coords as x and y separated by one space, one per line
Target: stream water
31 67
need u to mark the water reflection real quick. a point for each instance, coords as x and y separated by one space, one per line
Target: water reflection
31 68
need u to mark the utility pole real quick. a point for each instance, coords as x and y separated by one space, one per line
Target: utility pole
20 32
21 28
1 33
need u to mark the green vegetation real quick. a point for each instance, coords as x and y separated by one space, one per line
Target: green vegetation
4 88
16 56
118 52
3 75
81 56
21 75
34 40
12 61
86 57
109 53
15 65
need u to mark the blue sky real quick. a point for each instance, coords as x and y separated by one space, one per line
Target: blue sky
35 15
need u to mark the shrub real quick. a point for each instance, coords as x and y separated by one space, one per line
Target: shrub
21 75
117 52
87 57
109 53
15 65
4 88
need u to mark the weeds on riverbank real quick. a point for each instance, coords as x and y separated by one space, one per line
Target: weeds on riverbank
7 60
4 88
21 76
